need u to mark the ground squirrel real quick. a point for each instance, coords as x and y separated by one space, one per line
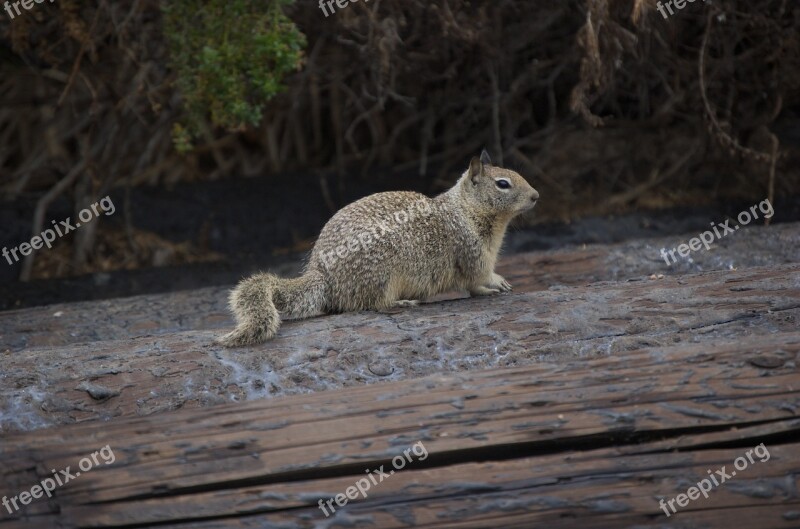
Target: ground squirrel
391 250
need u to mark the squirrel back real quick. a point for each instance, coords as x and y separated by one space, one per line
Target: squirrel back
393 249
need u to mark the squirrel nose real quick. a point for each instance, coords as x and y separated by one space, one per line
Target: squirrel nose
535 196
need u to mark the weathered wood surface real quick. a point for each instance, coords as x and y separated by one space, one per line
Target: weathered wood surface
119 319
138 376
587 443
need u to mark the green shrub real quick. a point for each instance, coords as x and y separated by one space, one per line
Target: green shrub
231 57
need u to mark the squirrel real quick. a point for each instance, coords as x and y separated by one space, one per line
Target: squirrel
392 249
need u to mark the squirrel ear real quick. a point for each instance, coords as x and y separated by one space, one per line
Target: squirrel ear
475 169
485 158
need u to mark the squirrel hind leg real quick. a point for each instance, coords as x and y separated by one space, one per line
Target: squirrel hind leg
397 306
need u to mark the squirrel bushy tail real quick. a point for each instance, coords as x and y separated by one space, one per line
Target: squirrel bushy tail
259 301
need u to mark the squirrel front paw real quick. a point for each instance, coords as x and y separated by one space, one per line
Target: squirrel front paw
483 291
500 283
496 285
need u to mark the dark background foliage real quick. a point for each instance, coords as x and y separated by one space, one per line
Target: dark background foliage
603 104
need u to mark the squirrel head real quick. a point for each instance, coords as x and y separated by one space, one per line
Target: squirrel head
496 190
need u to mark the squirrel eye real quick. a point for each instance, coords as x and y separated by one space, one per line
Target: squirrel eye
502 183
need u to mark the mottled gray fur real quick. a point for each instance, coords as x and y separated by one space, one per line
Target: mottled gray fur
392 249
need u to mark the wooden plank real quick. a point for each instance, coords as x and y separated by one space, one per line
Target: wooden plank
117 319
589 443
145 375
598 488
